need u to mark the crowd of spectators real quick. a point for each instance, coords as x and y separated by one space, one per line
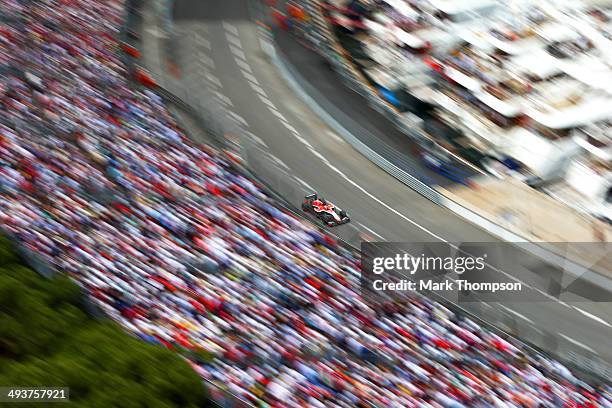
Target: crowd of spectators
179 247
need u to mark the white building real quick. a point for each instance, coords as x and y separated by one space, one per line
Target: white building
587 184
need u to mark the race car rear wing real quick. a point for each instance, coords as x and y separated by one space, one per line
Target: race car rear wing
312 196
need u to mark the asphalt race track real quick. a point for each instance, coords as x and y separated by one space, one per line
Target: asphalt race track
219 51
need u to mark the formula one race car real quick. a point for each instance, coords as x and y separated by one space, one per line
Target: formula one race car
325 211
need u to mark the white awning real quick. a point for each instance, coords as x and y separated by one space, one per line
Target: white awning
515 47
403 8
383 79
462 79
409 39
554 31
376 27
587 181
537 153
593 109
601 153
451 7
538 63
507 109
590 71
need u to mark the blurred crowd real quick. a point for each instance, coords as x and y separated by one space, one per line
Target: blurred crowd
180 248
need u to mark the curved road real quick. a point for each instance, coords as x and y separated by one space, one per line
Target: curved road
219 52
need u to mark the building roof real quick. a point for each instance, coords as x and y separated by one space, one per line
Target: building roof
508 108
556 31
462 79
534 151
537 63
591 109
451 7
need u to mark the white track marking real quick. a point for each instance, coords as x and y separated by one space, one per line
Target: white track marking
305 184
303 141
278 114
267 101
154 31
257 89
592 316
398 213
371 231
207 61
577 343
280 162
258 139
238 53
223 98
244 65
251 135
233 39
204 43
250 77
230 28
291 128
213 79
239 119
514 312
334 136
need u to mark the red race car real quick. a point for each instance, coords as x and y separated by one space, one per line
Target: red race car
325 211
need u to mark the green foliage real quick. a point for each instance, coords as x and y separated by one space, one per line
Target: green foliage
200 356
7 255
46 339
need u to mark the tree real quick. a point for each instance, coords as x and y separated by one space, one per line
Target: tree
7 254
46 339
